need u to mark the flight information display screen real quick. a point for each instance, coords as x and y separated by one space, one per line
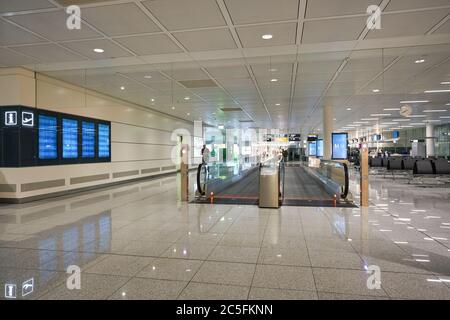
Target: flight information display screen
69 138
339 151
312 151
320 148
48 137
103 141
87 139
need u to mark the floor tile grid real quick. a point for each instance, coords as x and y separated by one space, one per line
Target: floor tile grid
403 250
397 245
257 260
206 259
202 262
330 268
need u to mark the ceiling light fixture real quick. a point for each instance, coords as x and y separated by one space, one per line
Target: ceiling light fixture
173 108
415 101
98 50
380 115
376 90
436 91
122 88
221 127
274 80
431 111
445 82
267 36
188 114
391 109
152 100
369 119
148 76
417 116
421 60
349 109
278 104
187 98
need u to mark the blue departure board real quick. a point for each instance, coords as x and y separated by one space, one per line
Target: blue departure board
103 141
69 138
339 141
87 139
312 151
320 148
48 137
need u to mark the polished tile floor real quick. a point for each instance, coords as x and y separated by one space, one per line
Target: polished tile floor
137 241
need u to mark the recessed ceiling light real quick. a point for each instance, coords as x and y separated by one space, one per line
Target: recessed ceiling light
436 91
274 80
122 88
431 121
148 76
445 82
445 117
267 36
98 50
380 115
421 60
369 119
417 116
273 69
152 100
221 126
391 109
349 109
278 104
415 101
188 114
186 98
376 90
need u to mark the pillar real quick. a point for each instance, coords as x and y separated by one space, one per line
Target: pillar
327 131
364 176
429 134
184 170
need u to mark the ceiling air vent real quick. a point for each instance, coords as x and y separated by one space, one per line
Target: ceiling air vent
191 84
231 109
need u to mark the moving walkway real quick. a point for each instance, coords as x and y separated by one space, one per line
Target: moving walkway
292 183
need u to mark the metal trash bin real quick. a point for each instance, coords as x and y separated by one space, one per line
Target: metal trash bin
269 187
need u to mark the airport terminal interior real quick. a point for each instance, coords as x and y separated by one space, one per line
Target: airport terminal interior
225 149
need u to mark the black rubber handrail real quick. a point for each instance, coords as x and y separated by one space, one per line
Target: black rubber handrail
199 185
346 186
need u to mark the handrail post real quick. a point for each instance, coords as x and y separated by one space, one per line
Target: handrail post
364 176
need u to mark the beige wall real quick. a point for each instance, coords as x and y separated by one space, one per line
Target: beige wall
141 140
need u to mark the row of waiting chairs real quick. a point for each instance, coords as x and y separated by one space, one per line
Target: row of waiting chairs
412 166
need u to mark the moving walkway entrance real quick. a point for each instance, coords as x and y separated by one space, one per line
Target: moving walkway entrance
297 183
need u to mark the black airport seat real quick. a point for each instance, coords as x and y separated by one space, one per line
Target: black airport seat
408 163
423 167
442 166
395 164
385 162
376 162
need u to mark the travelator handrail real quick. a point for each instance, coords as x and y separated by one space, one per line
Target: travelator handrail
334 175
216 177
201 187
